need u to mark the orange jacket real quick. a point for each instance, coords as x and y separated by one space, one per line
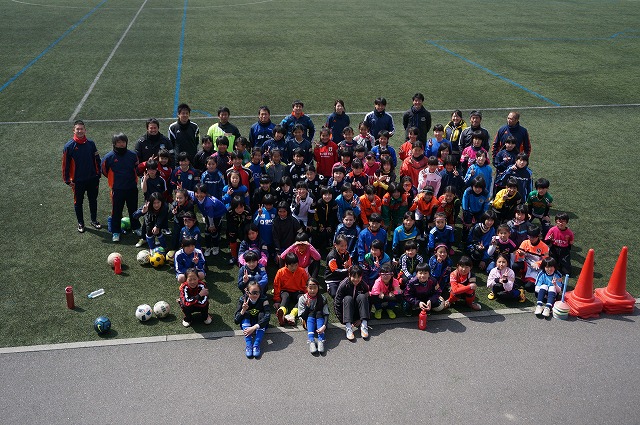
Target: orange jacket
367 207
290 282
427 209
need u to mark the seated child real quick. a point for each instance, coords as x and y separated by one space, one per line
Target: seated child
548 284
480 240
480 168
501 244
313 309
289 284
370 204
519 225
501 281
529 256
252 242
403 233
463 284
408 262
347 201
506 201
539 202
252 271
190 229
181 205
440 265
423 293
351 303
308 256
385 292
425 206
189 257
440 234
253 314
351 231
373 261
194 297
560 240
338 264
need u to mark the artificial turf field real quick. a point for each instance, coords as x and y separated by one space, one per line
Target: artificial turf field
569 67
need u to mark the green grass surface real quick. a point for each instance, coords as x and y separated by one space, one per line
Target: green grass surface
572 53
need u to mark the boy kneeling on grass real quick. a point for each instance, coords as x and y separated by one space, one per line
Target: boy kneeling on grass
194 298
463 284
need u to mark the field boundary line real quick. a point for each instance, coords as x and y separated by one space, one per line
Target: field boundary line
211 6
51 46
104 66
495 74
514 108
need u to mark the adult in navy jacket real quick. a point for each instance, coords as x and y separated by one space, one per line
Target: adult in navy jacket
378 119
262 130
81 171
513 128
298 117
417 116
119 166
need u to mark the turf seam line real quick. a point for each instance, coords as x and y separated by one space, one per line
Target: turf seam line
271 330
104 66
51 46
514 108
176 95
495 74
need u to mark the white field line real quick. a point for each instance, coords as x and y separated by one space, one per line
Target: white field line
514 108
104 66
153 8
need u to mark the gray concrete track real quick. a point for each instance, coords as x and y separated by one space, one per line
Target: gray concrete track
483 370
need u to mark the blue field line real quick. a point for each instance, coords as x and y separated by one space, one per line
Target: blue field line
176 97
495 74
51 46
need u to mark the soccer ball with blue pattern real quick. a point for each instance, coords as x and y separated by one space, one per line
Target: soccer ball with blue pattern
144 312
102 325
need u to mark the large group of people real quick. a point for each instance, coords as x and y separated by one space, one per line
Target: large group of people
387 219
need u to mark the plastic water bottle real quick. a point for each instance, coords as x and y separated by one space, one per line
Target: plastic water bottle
117 265
96 293
422 320
69 294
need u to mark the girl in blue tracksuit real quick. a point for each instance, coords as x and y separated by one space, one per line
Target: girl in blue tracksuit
212 210
548 284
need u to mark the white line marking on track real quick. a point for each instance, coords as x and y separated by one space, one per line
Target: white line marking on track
516 108
152 8
104 66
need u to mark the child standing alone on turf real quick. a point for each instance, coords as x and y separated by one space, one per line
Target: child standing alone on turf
313 309
253 314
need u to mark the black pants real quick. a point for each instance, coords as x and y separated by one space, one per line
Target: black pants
189 310
289 300
90 187
120 198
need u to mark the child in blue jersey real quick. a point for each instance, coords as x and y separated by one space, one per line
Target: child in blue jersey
347 201
213 179
277 142
264 219
482 168
475 202
212 209
337 180
191 229
440 234
383 143
252 271
480 239
440 265
256 166
235 187
505 158
521 173
187 258
548 284
403 233
351 231
313 310
184 176
519 225
253 315
370 234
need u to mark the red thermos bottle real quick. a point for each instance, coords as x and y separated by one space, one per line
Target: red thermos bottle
117 265
422 320
69 293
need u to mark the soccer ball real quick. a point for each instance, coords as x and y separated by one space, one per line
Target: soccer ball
143 257
143 312
125 224
156 259
161 309
159 249
102 325
111 258
170 256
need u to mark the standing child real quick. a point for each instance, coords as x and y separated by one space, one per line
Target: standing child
222 156
238 219
519 225
235 187
357 177
522 175
482 168
277 142
383 143
369 234
264 218
190 229
539 202
470 153
212 209
313 309
384 177
480 240
351 231
302 206
433 144
475 202
463 284
184 176
501 281
548 284
213 179
194 298
506 201
560 240
326 217
284 229
347 201
529 257
394 206
440 234
253 314
430 176
451 177
256 168
385 292
402 234
153 182
276 169
200 160
364 137
325 153
373 261
181 205
449 205
351 303
289 285
501 244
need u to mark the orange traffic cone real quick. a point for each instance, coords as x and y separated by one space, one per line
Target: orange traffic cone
581 301
614 297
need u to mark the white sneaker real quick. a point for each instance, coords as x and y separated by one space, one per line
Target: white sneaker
207 252
312 347
208 320
115 237
215 250
321 346
539 309
140 243
185 323
546 312
350 335
364 331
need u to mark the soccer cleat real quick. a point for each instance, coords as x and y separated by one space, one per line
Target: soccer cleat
185 323
312 347
140 243
248 351
320 346
546 312
80 228
280 315
364 331
350 335
115 237
538 310
96 225
215 250
391 313
378 314
256 352
491 296
208 320
523 296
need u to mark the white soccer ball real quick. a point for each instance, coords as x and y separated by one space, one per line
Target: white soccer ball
143 257
111 258
161 309
144 312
